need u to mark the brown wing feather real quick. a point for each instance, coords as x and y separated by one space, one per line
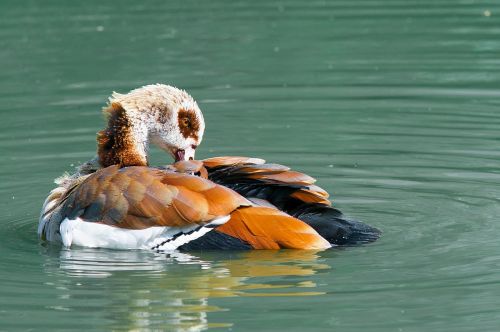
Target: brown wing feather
228 161
141 197
290 177
268 228
311 196
242 168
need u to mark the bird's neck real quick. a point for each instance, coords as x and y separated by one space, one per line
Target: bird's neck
124 142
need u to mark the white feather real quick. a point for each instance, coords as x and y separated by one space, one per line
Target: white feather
94 235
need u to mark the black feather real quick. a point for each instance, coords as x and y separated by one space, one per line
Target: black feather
329 222
215 240
336 228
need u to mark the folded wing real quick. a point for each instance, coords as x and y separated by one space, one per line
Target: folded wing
290 193
129 203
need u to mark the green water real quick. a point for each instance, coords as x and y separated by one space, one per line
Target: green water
392 105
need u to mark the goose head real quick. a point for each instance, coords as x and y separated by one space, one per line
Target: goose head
161 114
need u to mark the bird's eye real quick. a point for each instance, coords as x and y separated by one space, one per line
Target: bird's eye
194 146
185 122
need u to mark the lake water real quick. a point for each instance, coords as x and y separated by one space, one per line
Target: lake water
394 106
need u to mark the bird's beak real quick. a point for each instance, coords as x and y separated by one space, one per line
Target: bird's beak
179 155
184 154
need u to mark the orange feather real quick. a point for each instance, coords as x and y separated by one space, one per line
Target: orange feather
268 228
228 161
141 197
310 196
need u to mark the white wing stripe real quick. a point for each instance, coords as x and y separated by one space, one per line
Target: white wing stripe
89 234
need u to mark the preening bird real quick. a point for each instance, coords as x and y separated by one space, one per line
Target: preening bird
117 200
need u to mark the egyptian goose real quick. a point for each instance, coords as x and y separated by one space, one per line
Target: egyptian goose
117 200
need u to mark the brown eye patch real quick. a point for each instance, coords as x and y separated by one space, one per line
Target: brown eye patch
188 124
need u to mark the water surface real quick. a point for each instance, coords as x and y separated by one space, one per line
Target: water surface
392 105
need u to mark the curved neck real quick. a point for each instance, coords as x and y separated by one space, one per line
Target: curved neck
122 142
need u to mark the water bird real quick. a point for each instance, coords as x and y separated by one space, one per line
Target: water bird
117 200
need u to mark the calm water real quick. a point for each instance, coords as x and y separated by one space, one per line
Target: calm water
392 105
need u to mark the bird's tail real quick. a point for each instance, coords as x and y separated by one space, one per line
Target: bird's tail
336 228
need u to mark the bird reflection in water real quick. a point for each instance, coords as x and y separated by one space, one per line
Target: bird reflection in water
153 290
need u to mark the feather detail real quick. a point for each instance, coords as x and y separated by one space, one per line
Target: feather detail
96 235
290 177
228 161
278 187
310 196
142 197
268 228
274 183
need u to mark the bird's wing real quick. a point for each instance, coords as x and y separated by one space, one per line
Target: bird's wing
276 184
142 197
269 228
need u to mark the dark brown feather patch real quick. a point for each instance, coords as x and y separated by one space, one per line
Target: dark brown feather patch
115 145
189 124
